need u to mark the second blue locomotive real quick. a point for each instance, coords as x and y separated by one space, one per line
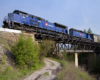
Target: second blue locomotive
79 34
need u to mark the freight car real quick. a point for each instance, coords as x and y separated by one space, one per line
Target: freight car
95 37
25 21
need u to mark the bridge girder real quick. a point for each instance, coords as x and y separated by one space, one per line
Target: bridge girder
67 43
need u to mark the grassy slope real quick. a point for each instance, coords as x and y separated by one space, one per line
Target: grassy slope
9 73
70 72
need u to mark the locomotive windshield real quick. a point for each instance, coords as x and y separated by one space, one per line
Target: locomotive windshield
66 29
16 12
20 13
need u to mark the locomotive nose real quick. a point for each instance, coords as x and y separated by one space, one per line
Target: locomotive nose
66 30
5 19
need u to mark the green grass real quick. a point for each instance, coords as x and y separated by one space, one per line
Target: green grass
52 64
63 63
46 73
17 74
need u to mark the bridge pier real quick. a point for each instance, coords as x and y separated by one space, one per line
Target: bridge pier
91 60
57 48
76 59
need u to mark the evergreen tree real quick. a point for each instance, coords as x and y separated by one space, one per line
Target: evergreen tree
85 30
89 31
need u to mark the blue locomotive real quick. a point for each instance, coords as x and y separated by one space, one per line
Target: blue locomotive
79 34
25 21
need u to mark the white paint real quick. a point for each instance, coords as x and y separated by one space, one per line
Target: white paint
10 30
50 25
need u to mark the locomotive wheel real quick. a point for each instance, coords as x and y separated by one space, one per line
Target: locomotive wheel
15 27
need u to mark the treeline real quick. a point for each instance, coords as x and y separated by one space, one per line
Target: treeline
89 31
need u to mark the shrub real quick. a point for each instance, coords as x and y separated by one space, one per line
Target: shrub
25 52
67 56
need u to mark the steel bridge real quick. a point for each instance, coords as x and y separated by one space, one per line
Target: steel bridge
73 45
69 44
77 44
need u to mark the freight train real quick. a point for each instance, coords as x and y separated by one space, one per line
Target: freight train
24 21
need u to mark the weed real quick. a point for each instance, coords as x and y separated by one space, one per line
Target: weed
3 59
8 69
52 64
4 43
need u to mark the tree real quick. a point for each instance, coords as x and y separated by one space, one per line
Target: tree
85 30
26 53
89 31
46 48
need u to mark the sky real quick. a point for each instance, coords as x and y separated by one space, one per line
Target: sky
77 14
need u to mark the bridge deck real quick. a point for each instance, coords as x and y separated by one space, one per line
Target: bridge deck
73 51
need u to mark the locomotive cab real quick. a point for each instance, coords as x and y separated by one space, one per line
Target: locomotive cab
16 12
63 27
66 30
19 12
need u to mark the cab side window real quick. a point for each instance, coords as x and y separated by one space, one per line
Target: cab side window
24 15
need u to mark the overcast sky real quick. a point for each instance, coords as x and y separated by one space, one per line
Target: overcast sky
78 14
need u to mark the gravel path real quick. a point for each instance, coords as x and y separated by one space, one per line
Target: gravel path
51 67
